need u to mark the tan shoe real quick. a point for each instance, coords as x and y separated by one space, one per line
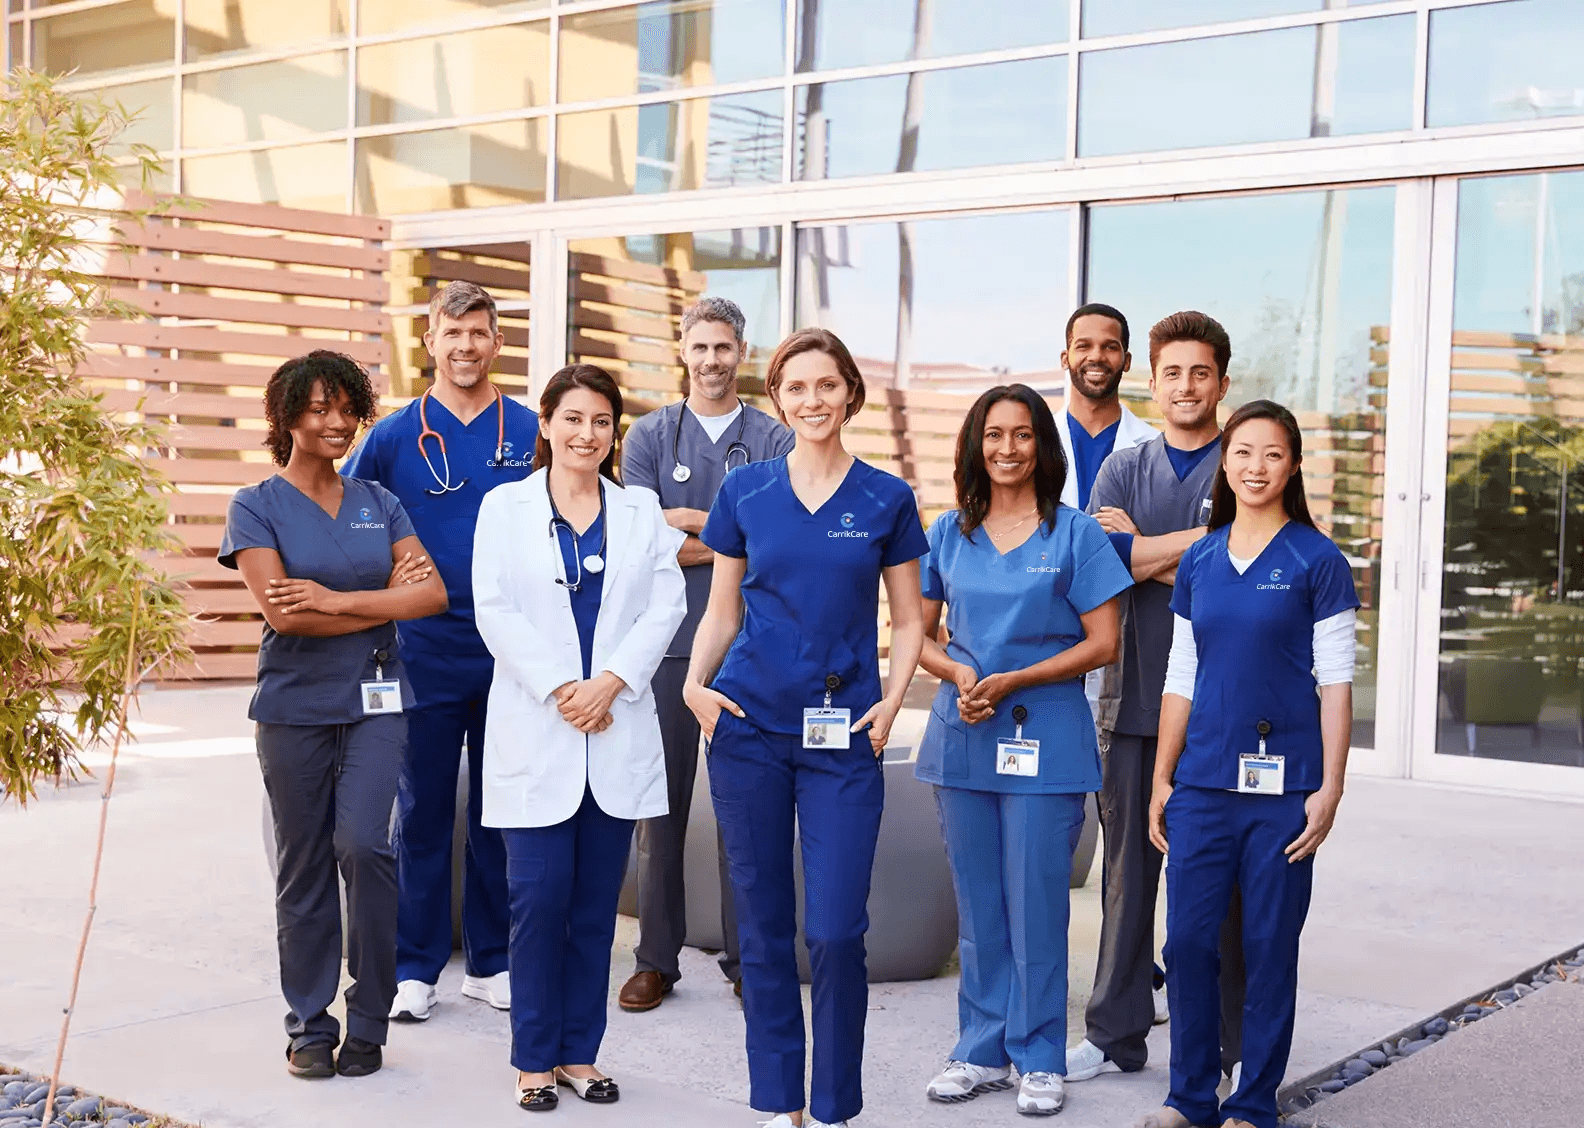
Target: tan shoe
1236 1124
643 992
1164 1118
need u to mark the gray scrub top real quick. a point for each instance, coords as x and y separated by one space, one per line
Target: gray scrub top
315 681
649 457
1142 482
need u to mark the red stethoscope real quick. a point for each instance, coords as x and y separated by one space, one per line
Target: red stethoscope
426 432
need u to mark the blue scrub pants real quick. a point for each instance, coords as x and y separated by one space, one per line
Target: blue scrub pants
565 881
451 695
1220 839
1011 862
762 783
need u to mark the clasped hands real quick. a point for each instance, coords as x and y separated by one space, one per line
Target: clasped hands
585 705
306 595
977 697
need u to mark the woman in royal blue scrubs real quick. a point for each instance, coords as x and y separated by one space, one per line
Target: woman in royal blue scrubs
797 721
1030 589
1254 729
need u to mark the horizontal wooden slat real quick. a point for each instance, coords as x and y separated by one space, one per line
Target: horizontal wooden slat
225 632
170 303
162 369
192 436
634 351
219 601
196 569
195 272
514 252
266 215
621 321
608 293
270 248
150 335
186 403
212 471
638 272
479 273
218 667
185 503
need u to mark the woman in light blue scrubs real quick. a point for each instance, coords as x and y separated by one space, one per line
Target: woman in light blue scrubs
1029 586
797 721
1254 728
333 563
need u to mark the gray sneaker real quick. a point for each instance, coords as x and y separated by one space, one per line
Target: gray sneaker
963 1081
1041 1094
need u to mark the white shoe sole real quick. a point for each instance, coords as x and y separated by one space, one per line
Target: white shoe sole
484 995
1035 1110
410 1016
1105 1066
957 1098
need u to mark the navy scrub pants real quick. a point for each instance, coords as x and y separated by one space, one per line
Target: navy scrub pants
451 694
762 783
565 881
1220 839
330 790
1011 862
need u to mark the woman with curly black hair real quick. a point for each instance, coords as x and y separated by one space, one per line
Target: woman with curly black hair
332 563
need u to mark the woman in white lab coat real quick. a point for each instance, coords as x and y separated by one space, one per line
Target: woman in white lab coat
577 592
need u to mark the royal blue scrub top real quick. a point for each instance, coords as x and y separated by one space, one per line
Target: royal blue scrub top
1007 612
389 455
811 592
1254 634
314 681
1089 452
586 599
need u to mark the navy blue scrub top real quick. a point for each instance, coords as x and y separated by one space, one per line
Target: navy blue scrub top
586 599
389 455
314 681
1089 451
811 592
1007 612
1255 637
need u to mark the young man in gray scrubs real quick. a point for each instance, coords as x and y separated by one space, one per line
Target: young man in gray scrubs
683 453
1154 500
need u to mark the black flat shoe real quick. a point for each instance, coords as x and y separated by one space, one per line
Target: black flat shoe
542 1099
601 1090
316 1059
359 1058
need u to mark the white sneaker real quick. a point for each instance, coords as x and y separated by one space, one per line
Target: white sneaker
1229 1085
414 997
1162 1011
1086 1060
1041 1094
963 1081
496 990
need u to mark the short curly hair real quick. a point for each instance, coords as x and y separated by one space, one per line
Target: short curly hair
290 385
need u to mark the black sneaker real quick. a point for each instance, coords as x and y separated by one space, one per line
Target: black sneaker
316 1059
358 1058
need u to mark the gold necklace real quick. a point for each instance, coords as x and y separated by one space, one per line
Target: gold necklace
995 536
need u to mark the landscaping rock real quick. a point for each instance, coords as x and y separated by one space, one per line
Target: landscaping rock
83 1107
1414 1047
1436 1025
1375 1058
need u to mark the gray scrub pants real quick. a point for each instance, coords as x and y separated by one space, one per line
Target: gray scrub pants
662 893
1121 1009
330 790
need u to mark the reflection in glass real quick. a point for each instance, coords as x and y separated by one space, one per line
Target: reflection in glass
298 176
1517 61
855 33
1302 282
956 118
149 105
472 72
669 45
670 146
1512 597
1277 85
138 33
626 297
473 166
216 27
1119 17
393 15
265 101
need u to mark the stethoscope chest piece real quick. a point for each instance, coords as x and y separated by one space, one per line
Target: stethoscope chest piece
593 564
680 473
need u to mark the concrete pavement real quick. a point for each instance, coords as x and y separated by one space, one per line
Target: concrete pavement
1423 895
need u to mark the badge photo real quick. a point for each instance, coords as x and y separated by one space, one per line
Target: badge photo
381 697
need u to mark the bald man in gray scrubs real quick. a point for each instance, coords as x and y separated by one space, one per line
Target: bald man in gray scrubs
683 453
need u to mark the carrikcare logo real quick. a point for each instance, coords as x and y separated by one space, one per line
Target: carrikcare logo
847 530
506 458
366 523
1276 574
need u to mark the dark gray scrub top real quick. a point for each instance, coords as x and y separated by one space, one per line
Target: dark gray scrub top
315 681
1141 481
648 459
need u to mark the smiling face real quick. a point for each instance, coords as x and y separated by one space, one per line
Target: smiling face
463 347
580 430
711 353
1095 358
1258 460
813 396
1009 444
1186 384
326 427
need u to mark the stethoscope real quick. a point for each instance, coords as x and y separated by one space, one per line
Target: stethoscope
681 472
595 561
426 433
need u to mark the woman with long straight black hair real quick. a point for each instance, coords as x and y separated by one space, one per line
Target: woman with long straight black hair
1029 586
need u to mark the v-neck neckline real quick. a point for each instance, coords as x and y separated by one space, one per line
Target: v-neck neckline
455 418
1260 555
737 424
786 478
336 516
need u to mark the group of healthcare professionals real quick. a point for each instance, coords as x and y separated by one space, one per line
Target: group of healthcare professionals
1147 615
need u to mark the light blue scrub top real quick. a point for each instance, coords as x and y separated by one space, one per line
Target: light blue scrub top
1005 613
811 592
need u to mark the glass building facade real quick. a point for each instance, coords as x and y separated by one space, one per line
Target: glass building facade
1382 201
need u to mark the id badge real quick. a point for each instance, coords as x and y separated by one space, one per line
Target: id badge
1262 775
827 728
381 697
1017 757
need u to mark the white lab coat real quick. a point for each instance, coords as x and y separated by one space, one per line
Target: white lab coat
535 763
1131 431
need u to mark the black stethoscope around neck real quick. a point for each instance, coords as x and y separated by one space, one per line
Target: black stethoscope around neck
594 562
681 472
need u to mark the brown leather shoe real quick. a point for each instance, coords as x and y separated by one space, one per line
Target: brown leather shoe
643 992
